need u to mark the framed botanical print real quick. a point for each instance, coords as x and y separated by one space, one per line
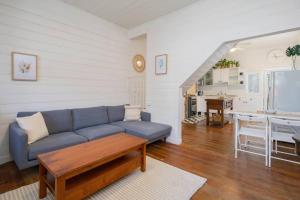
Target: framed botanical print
24 67
161 64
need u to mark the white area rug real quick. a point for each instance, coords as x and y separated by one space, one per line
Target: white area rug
160 181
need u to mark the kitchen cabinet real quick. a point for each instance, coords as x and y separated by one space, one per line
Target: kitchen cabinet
207 79
220 76
216 76
235 77
225 75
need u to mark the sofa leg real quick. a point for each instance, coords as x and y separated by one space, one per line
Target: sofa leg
165 140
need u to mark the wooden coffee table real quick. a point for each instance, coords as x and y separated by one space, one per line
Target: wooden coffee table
78 171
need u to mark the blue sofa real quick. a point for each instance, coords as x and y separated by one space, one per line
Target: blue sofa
74 126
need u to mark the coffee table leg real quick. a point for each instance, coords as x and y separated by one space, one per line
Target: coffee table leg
59 188
42 178
143 164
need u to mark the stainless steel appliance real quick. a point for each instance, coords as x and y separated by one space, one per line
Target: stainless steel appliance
192 106
283 93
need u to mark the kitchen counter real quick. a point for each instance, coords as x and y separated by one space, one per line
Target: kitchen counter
201 103
219 104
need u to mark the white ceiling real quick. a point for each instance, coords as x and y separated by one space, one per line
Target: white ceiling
129 13
288 38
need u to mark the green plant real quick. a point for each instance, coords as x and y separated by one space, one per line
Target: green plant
224 63
293 52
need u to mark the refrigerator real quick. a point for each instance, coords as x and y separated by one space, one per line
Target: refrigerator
283 93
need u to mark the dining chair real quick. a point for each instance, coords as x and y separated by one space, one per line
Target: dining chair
282 130
242 128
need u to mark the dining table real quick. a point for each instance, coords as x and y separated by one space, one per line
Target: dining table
281 115
269 115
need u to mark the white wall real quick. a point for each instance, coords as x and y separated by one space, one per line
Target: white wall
256 59
83 60
192 34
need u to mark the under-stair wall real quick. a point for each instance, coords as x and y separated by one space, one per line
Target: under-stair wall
211 61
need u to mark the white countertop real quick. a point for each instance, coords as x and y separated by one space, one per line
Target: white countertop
285 115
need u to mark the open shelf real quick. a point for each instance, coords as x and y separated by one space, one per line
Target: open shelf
91 181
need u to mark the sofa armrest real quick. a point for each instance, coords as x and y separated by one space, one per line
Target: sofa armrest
145 116
18 144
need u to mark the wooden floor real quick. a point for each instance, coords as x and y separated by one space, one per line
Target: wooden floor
207 152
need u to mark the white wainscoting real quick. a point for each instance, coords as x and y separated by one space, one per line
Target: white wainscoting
137 90
83 60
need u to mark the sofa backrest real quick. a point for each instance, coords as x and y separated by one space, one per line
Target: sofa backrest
86 117
57 121
116 113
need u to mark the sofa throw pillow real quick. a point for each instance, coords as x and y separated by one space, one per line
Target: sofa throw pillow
132 113
34 126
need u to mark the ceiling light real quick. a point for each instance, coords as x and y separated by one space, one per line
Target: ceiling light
233 49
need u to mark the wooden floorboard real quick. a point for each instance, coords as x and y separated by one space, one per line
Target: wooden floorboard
207 152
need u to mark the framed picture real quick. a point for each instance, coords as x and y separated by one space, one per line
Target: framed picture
24 67
161 64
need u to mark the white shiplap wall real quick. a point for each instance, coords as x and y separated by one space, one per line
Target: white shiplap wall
83 60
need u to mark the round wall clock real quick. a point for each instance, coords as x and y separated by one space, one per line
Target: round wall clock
276 55
138 63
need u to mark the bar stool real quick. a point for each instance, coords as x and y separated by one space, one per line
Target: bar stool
251 131
282 130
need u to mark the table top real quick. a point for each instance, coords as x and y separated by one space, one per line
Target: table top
284 115
90 154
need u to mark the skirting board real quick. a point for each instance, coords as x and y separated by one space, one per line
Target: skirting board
177 141
5 159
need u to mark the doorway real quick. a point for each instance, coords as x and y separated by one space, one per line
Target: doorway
237 77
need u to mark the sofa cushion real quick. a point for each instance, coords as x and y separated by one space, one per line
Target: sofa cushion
116 113
86 117
99 131
25 114
57 121
54 142
148 130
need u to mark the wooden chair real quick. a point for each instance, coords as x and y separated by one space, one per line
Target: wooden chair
251 131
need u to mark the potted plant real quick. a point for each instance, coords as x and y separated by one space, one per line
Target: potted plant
293 52
224 63
230 63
